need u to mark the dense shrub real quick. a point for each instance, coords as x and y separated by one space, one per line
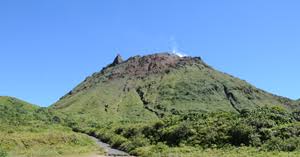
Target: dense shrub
241 134
266 128
279 144
2 153
177 134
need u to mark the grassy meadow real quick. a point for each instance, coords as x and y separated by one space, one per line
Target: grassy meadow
29 131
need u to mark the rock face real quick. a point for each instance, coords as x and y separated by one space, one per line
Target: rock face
149 87
117 60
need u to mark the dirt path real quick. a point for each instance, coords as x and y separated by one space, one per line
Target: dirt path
109 150
92 155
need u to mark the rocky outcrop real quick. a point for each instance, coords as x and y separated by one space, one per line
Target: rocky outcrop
117 60
141 67
231 98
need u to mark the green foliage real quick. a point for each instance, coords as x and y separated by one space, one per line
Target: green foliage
279 144
179 102
269 129
241 134
176 134
186 151
2 153
32 131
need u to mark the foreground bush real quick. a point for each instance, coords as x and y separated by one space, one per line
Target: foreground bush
266 129
2 153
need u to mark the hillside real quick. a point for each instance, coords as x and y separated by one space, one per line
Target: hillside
28 130
152 86
163 104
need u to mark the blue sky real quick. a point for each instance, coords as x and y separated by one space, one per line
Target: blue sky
47 47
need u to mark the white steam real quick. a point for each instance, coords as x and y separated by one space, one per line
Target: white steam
179 54
174 47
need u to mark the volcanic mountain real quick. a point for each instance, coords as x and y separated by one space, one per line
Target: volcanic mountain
152 86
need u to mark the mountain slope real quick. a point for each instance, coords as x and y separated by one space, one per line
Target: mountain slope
149 87
15 112
28 130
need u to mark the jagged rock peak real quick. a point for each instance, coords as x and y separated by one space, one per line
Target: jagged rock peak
117 60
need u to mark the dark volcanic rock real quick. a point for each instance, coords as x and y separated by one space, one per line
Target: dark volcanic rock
151 64
117 60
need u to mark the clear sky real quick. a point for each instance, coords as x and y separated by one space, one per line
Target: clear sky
49 46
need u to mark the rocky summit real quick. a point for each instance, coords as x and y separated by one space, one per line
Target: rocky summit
152 86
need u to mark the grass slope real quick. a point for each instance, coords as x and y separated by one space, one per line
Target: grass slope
28 130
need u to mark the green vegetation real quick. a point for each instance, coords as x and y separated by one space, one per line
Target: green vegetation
263 131
143 89
156 105
161 104
186 151
27 130
2 153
